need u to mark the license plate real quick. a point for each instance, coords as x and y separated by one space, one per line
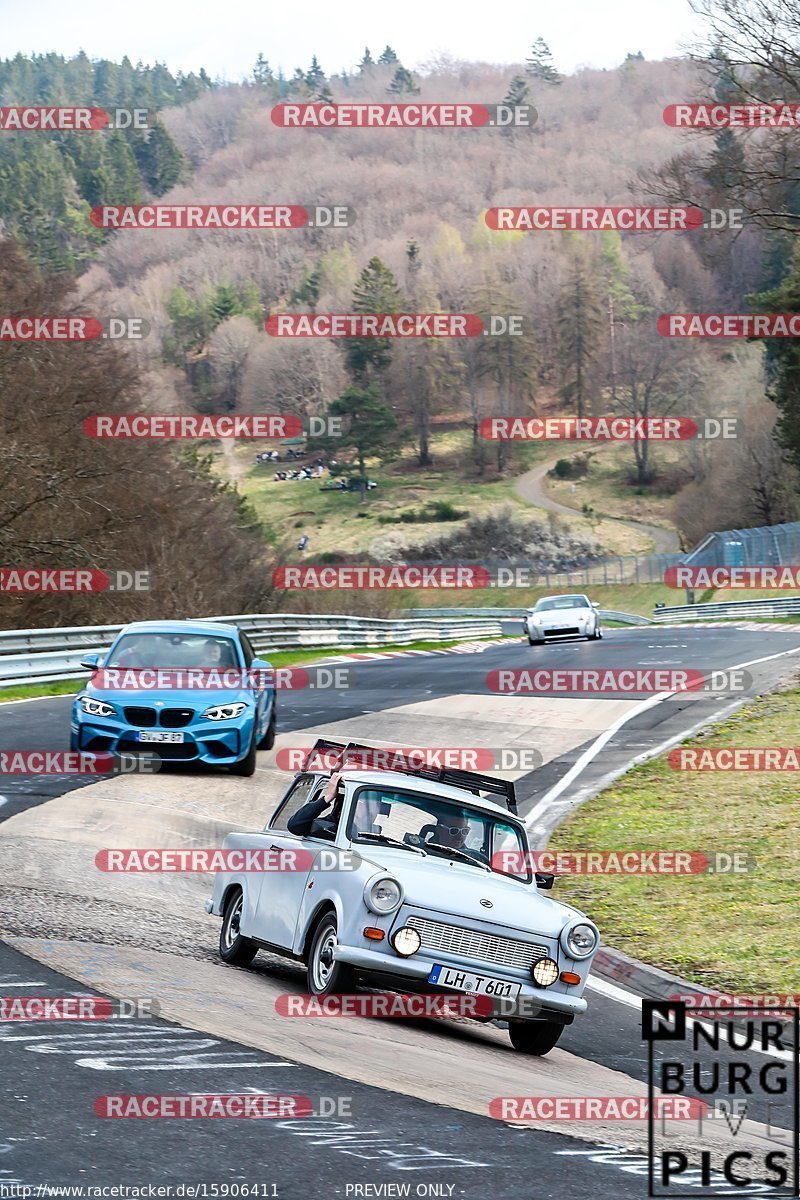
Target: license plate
465 981
159 735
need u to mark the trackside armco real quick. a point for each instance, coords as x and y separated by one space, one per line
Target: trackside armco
425 910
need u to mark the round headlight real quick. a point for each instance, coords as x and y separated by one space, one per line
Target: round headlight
384 895
406 941
580 941
545 972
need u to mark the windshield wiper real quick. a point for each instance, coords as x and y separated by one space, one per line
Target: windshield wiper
460 854
387 841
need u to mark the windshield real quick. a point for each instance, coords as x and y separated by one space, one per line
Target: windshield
562 602
438 826
190 650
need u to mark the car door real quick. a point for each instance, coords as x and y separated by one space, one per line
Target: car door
281 892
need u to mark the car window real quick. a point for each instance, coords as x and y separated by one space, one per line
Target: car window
556 602
295 799
247 649
173 650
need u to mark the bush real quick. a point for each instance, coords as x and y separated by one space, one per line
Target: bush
434 510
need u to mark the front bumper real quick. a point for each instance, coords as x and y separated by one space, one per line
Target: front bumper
419 966
203 741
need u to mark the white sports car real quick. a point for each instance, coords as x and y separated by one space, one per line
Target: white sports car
560 617
416 881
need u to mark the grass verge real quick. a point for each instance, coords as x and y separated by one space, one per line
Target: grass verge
733 933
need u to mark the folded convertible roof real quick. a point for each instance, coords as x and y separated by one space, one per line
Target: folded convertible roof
331 756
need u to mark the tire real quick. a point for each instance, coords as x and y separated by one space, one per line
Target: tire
246 765
73 743
268 740
597 635
235 949
534 1037
327 978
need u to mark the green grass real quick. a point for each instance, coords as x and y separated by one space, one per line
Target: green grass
61 687
733 933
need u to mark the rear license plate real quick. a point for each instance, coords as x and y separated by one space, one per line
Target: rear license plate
159 735
465 981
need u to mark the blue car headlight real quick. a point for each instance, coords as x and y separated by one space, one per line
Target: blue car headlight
96 708
224 712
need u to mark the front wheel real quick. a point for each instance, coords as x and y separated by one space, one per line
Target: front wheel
268 740
534 1037
326 977
234 948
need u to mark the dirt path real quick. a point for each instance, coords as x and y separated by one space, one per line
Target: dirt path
532 487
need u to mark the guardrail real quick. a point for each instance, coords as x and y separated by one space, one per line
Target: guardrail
513 614
45 655
729 608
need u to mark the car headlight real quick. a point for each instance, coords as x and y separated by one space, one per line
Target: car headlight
545 971
579 940
96 708
383 895
406 941
224 712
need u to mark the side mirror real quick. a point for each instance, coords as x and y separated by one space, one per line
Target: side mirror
595 605
91 661
545 880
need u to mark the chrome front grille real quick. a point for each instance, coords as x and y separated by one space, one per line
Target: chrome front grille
471 943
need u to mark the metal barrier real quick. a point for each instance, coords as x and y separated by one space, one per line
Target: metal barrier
728 608
516 614
44 655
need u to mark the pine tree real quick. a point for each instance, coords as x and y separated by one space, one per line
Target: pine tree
377 291
160 160
581 323
403 83
367 62
388 58
315 76
262 72
540 64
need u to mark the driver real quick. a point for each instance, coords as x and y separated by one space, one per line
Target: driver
308 821
452 830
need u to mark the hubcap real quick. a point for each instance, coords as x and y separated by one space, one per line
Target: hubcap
232 925
324 958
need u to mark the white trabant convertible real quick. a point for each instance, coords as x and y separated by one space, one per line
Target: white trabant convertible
414 881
